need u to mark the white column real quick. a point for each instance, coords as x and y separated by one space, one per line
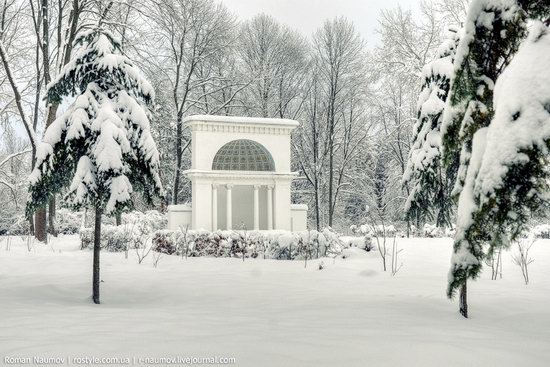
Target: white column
214 207
256 207
228 207
269 207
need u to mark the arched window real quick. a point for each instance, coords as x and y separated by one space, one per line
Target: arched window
243 155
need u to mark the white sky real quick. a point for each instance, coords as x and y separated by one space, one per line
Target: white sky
308 15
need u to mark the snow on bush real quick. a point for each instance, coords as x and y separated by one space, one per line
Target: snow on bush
431 230
68 221
357 242
151 220
113 238
280 245
541 231
135 225
19 226
374 230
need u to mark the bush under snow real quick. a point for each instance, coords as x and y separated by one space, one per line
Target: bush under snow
281 245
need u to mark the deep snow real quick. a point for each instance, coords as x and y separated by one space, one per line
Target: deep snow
272 313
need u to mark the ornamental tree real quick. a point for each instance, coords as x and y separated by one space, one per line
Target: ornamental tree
513 182
430 181
101 148
492 34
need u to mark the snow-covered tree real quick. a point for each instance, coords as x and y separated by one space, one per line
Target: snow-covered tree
339 61
274 59
429 182
492 34
188 37
513 182
101 148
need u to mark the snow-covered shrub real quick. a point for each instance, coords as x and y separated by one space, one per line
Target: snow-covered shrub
19 226
333 245
165 241
206 243
450 232
387 231
135 225
362 242
150 221
379 230
113 238
431 230
282 245
318 243
541 231
68 221
86 238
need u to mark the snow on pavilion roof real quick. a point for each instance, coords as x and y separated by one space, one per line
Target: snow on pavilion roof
241 120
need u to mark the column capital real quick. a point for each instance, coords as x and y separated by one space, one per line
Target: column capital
257 187
270 187
229 186
215 186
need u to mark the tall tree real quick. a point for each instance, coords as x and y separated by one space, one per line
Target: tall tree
307 144
339 60
492 33
54 46
274 58
408 42
190 33
101 147
430 183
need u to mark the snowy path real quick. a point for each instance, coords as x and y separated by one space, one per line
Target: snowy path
272 313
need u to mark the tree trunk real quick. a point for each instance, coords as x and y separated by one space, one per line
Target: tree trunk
330 180
52 113
463 301
118 219
179 153
317 204
51 217
97 249
40 225
332 121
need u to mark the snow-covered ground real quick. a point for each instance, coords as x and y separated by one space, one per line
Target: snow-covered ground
272 313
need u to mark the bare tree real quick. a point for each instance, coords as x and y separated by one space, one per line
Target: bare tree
274 59
395 251
190 33
339 61
522 258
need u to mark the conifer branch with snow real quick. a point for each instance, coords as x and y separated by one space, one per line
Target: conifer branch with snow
472 131
101 148
513 181
492 32
427 177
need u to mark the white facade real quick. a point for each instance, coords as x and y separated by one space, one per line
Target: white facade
240 176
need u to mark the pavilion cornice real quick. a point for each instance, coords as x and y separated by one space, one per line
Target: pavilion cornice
241 175
241 128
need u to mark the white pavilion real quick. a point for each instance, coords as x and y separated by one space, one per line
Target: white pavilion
240 176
